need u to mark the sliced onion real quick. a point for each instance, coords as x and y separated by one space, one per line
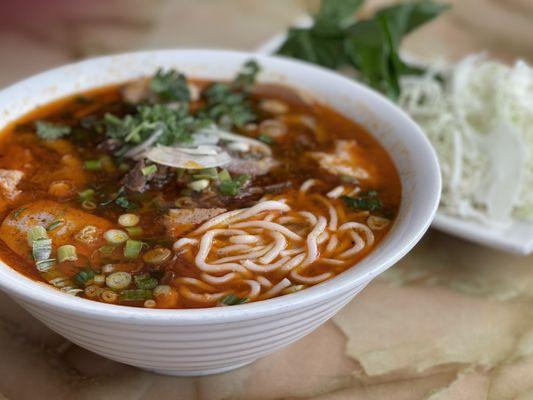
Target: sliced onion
233 137
138 151
188 158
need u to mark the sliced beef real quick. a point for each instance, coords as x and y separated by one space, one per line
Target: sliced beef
9 179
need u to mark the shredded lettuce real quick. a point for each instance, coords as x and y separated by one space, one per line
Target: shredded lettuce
478 115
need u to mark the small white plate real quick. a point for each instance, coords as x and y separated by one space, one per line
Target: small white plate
516 238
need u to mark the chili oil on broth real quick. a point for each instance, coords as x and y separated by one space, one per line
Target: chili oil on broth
301 192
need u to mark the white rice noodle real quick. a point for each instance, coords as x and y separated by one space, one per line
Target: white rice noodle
252 255
331 261
197 283
310 280
333 218
272 226
244 239
217 280
215 221
293 263
312 238
336 192
264 282
333 242
201 298
360 227
205 247
269 205
255 289
287 219
292 252
277 288
178 244
311 218
233 248
359 244
262 269
308 184
279 245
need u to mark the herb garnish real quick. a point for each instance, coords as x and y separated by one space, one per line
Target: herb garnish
233 186
368 201
232 300
371 46
170 86
49 131
263 137
145 281
83 277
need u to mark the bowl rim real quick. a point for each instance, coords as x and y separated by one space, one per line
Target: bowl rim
40 292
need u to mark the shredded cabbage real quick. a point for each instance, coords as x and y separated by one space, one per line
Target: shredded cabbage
478 115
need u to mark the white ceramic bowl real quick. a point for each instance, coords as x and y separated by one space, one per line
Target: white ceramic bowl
207 341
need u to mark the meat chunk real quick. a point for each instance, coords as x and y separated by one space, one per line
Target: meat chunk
179 221
136 91
15 227
9 179
347 160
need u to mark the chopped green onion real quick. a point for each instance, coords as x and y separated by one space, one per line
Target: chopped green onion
135 295
198 185
99 280
224 175
17 212
36 233
45 265
41 249
145 281
208 173
128 219
107 163
149 170
107 249
54 225
93 165
108 268
92 291
115 236
124 167
150 303
134 231
109 296
162 290
88 205
266 139
232 300
125 203
157 255
132 248
118 280
86 195
88 234
85 277
67 252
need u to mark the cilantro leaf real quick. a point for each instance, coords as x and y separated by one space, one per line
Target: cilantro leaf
371 46
368 201
170 86
233 300
233 186
49 131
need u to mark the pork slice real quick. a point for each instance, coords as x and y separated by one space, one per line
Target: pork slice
178 221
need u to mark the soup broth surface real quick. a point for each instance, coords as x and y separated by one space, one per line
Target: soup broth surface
174 193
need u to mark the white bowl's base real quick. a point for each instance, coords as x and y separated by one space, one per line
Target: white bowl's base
204 372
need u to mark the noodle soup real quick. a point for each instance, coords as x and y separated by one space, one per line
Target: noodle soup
174 193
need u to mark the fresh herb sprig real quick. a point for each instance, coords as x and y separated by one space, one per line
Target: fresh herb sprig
170 86
50 131
370 46
368 201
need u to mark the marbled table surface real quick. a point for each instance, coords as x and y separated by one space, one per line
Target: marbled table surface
451 321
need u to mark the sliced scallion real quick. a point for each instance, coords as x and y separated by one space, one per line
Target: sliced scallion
41 249
145 281
115 236
150 303
67 252
132 248
157 256
86 195
93 165
135 295
134 231
88 205
224 175
118 280
84 277
36 233
54 225
232 300
128 219
108 296
198 185
149 170
208 173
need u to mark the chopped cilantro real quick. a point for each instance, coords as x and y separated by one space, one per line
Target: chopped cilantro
233 186
170 86
368 201
49 131
266 139
232 300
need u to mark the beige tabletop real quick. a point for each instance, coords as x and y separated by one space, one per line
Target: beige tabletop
452 320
